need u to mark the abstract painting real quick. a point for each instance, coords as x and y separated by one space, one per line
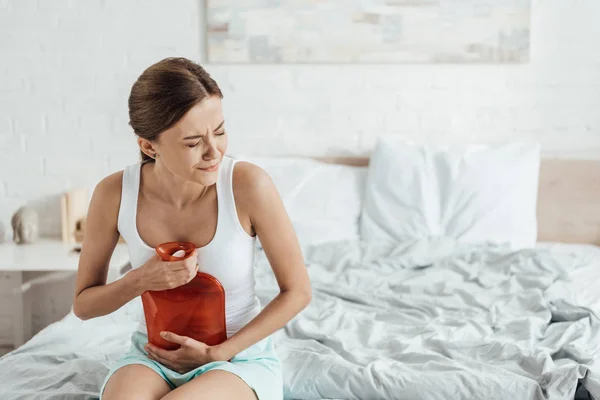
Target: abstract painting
367 31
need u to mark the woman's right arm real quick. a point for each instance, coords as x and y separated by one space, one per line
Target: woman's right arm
93 297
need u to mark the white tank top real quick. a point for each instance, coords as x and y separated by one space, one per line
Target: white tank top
229 256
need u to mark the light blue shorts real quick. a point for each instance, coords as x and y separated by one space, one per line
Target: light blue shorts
258 366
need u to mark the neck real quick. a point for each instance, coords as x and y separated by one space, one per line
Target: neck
173 189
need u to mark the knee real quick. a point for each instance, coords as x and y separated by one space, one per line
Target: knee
178 396
130 395
136 382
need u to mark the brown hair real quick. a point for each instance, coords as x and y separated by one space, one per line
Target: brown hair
164 92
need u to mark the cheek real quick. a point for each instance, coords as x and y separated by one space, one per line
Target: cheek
185 162
189 155
222 145
185 155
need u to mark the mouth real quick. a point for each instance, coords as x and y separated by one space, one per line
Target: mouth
210 168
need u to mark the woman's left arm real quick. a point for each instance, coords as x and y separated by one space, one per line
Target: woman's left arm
262 206
272 225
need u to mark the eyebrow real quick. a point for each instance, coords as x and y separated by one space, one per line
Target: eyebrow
199 136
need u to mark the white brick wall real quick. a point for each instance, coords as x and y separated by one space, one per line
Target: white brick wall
341 109
66 68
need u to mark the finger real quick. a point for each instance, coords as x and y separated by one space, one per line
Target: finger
191 259
162 353
191 267
156 357
171 337
162 361
192 273
189 272
181 263
179 267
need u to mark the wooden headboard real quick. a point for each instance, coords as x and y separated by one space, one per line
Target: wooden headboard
568 199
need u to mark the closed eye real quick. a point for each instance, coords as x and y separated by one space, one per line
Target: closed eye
199 141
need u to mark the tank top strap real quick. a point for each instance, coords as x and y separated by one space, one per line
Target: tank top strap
228 217
129 196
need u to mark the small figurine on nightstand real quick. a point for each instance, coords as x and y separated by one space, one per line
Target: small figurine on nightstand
25 224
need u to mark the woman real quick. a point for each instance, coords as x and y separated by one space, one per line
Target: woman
186 189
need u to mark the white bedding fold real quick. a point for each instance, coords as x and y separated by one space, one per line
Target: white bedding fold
412 321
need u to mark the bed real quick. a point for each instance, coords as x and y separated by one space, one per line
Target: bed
416 319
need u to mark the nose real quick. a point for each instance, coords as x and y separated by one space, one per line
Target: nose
212 152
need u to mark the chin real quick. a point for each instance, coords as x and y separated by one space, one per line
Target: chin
206 178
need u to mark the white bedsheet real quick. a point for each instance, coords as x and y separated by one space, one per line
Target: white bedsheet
416 321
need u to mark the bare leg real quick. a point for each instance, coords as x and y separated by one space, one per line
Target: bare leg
135 382
215 384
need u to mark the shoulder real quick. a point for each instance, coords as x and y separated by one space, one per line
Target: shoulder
107 193
252 185
110 185
250 177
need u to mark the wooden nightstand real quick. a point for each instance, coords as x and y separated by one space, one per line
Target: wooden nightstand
54 261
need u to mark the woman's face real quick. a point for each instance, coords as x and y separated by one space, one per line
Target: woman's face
194 147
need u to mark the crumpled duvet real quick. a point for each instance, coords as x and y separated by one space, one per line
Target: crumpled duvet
421 320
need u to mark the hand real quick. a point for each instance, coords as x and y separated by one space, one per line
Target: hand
157 274
192 353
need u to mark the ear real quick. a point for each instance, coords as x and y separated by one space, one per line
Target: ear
147 147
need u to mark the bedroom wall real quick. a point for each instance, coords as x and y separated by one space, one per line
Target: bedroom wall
67 67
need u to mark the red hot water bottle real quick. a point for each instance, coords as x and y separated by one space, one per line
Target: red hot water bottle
196 309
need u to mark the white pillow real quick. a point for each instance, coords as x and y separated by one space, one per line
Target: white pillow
323 200
473 194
